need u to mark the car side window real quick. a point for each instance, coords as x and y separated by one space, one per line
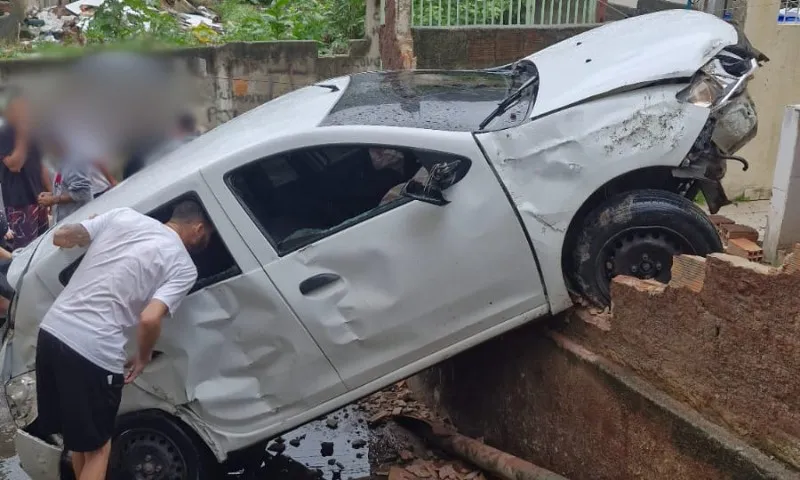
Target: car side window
298 197
214 264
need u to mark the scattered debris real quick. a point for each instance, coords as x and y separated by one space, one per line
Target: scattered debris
68 22
326 449
493 461
277 447
332 422
360 443
295 442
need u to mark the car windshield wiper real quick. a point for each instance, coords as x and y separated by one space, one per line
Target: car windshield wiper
506 103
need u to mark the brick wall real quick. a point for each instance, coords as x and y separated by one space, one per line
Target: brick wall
724 337
467 47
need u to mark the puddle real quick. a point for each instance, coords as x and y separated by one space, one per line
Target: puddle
339 453
302 457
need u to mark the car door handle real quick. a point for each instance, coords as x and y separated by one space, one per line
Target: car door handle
317 281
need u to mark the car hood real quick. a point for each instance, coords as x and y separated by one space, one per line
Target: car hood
657 46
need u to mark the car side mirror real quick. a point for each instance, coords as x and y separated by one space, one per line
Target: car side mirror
428 192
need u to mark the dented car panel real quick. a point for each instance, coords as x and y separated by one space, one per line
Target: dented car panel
409 281
669 44
552 165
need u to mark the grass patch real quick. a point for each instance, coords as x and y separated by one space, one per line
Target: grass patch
700 199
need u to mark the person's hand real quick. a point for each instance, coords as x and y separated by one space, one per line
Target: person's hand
134 367
46 199
10 234
15 161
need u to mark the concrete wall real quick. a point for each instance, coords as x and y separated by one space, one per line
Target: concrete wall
775 86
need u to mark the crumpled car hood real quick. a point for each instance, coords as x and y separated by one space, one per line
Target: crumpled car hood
647 48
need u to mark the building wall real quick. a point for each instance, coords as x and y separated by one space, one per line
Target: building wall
775 86
469 47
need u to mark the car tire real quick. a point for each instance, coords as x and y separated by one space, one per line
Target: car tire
153 443
637 234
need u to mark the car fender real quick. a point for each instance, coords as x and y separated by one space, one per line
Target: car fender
551 165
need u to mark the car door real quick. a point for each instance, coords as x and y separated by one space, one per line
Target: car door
395 287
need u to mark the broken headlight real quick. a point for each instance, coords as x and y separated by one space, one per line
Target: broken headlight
21 398
703 91
714 86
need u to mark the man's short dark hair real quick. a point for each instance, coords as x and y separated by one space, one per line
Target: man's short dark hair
189 211
187 122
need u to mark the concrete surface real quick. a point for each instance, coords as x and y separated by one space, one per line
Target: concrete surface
783 222
774 86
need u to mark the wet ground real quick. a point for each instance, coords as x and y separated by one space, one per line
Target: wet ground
346 454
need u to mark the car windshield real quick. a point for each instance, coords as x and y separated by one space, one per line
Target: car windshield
439 100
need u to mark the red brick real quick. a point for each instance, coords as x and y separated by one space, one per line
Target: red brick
731 231
745 248
718 220
688 271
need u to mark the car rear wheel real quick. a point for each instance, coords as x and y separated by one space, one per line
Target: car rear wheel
637 234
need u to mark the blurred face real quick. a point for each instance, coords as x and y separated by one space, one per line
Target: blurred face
197 237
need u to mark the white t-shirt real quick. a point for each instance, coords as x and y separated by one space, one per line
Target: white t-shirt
131 260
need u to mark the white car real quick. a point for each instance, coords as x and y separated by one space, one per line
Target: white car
371 226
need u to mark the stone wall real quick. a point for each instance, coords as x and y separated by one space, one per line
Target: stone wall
469 47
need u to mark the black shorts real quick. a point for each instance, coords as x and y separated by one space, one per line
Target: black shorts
75 397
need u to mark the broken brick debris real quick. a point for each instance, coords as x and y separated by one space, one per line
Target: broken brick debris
718 220
688 271
745 248
732 231
791 263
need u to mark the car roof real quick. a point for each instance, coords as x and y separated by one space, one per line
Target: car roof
434 100
455 101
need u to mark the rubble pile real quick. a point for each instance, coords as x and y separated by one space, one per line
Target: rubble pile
66 24
396 453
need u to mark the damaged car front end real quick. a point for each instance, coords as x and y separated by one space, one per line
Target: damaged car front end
721 86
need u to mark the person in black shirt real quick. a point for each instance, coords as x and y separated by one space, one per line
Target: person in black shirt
22 175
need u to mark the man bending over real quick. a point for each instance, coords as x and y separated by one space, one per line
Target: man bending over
135 272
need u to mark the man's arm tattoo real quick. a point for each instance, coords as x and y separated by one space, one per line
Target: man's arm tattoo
74 235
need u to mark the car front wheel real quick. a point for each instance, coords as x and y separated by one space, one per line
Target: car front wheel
637 234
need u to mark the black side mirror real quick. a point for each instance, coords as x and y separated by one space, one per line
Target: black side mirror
428 193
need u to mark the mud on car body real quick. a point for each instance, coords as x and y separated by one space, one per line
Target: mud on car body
325 282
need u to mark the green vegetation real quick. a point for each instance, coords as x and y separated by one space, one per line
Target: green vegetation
700 199
134 24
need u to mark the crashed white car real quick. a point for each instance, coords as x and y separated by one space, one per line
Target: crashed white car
371 226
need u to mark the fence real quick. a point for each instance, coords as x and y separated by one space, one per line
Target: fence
456 13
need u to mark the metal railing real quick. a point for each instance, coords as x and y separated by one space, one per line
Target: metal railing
457 13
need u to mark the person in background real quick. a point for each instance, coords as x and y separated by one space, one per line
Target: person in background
72 187
23 176
184 132
102 180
